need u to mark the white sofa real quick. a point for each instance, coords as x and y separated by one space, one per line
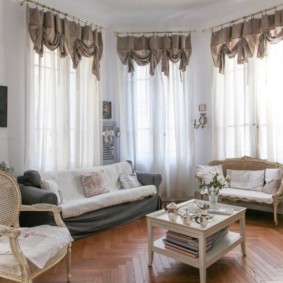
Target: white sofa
253 181
84 215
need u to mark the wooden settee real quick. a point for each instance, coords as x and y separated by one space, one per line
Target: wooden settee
251 164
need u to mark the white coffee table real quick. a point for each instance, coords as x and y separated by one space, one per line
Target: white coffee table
232 239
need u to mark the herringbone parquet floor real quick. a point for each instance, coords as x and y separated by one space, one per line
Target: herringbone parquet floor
120 256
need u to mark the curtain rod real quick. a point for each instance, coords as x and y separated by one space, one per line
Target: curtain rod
243 18
60 12
151 32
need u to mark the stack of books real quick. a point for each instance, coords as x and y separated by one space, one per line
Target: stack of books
188 245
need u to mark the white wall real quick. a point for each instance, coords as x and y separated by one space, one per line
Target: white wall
12 74
202 65
109 63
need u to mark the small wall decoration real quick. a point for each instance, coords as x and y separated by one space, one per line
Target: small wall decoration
3 106
107 113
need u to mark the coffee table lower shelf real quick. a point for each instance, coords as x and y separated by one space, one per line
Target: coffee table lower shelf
230 241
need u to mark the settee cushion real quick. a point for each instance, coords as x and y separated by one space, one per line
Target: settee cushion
94 184
246 179
253 196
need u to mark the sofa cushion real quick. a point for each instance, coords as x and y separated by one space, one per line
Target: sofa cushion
129 180
208 172
77 207
94 184
246 180
272 180
250 195
52 187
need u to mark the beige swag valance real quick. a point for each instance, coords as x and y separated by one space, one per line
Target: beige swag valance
151 50
245 38
47 28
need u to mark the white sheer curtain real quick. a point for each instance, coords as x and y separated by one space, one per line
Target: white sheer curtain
247 108
156 130
62 113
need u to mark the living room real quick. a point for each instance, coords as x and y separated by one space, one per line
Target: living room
200 142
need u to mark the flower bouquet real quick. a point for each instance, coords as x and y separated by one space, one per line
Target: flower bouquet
212 186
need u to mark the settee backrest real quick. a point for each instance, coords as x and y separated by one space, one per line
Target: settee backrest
245 163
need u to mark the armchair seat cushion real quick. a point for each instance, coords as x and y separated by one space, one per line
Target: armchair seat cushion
253 196
38 244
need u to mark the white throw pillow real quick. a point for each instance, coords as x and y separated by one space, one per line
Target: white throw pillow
208 172
52 187
94 184
272 180
129 181
246 180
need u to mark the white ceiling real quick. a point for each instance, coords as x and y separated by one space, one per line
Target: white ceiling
160 15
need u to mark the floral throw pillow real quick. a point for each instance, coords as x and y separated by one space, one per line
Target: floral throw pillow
94 184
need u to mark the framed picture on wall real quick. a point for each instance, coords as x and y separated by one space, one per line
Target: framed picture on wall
3 106
107 111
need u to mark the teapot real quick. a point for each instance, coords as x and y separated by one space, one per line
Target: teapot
202 220
186 218
172 211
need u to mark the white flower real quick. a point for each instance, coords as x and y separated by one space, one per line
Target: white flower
216 183
219 178
199 175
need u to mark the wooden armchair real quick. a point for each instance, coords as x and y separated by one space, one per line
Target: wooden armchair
27 252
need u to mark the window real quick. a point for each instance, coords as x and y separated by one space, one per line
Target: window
63 113
247 112
158 117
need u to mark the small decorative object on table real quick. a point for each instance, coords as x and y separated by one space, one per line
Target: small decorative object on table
186 217
172 211
213 187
